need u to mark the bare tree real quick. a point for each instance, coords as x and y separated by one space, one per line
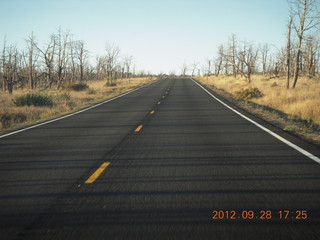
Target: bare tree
317 65
264 50
219 60
60 59
232 53
100 67
10 67
307 18
209 66
62 41
250 56
172 73
3 64
184 69
32 58
81 55
112 54
247 60
141 73
127 66
194 67
47 54
288 50
73 65
310 56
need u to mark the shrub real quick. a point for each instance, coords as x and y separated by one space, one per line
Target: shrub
64 97
274 84
31 99
248 94
6 120
111 84
80 86
91 91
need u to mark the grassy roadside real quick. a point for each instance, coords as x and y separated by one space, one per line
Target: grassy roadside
64 101
294 110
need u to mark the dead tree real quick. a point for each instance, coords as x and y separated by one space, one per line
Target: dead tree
232 54
81 55
194 67
48 53
62 56
10 67
112 54
127 66
32 58
317 65
100 67
73 65
264 50
307 17
247 58
3 62
208 70
184 69
310 57
219 61
288 51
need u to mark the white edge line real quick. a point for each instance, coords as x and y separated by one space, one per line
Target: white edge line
299 149
75 113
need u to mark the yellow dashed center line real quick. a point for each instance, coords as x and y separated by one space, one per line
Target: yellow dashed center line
97 173
138 128
158 103
152 112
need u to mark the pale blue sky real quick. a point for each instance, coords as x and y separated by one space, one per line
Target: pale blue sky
160 35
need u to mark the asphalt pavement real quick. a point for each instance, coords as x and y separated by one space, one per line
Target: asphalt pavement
167 161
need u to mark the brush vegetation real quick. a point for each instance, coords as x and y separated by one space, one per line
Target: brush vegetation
32 99
248 94
78 86
301 102
24 107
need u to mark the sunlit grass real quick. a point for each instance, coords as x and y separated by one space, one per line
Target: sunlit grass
64 101
303 101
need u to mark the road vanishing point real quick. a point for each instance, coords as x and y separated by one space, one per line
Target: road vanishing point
169 160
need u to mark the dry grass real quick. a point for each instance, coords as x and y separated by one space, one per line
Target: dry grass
303 101
64 102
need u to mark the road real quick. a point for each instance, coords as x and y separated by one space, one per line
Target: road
174 155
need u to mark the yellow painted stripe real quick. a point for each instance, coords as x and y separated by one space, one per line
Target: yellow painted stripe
158 102
138 128
152 112
97 173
